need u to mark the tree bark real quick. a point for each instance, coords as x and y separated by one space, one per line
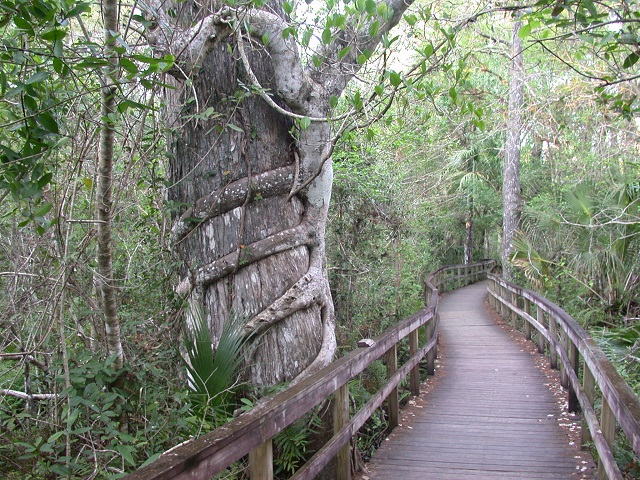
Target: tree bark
511 196
255 186
468 228
105 189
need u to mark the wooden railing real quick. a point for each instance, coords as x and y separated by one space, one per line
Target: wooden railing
251 433
575 353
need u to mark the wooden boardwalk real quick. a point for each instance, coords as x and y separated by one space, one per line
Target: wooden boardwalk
490 416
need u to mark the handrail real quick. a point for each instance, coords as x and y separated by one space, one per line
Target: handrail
568 341
251 433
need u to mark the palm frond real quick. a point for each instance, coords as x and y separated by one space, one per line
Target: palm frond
534 266
213 374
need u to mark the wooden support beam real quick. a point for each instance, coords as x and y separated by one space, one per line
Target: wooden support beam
414 378
527 325
514 314
392 400
540 318
608 427
261 462
564 341
431 329
574 358
340 420
589 387
553 333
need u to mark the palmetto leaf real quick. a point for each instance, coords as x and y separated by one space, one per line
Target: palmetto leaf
213 374
534 266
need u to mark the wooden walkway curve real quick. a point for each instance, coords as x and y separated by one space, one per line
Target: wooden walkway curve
491 416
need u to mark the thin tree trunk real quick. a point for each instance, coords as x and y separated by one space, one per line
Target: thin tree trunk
105 189
511 198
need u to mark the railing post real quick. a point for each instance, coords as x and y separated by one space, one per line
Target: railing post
608 427
414 377
553 333
261 462
514 314
459 277
430 330
504 310
540 318
564 377
392 399
574 358
340 419
589 387
527 325
492 295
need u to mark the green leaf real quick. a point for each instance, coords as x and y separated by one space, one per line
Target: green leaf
304 123
370 134
524 31
125 451
48 122
30 103
79 9
288 7
362 59
371 7
453 94
306 37
343 53
326 36
395 79
480 124
373 28
411 19
130 67
57 48
45 180
235 127
428 50
151 459
54 34
591 7
333 101
23 24
43 210
631 60
357 101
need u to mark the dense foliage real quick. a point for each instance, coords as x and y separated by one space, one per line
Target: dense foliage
410 190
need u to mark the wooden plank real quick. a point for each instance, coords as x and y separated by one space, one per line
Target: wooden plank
393 405
624 404
491 416
340 420
414 377
261 462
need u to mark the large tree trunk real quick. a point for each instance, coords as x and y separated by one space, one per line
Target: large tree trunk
252 237
511 198
260 254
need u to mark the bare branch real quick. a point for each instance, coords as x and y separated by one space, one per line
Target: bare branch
26 396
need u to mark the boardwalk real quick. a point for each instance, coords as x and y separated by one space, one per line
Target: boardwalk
489 417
